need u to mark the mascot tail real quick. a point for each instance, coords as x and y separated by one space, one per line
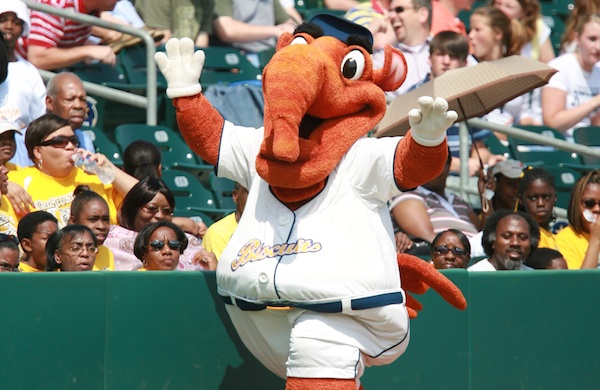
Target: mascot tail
417 276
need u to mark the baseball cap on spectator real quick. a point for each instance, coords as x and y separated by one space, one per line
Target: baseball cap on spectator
512 169
19 8
8 126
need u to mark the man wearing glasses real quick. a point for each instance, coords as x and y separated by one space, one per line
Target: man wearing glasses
411 21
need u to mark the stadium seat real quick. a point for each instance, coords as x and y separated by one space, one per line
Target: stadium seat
191 195
195 215
175 152
104 145
497 147
223 189
588 136
227 65
557 27
531 153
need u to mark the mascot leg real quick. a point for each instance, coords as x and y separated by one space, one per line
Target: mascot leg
320 384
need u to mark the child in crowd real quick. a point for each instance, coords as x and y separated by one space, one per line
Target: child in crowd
33 231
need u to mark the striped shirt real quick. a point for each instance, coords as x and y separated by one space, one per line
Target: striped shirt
444 213
55 31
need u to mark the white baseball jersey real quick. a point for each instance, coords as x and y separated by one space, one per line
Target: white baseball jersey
338 246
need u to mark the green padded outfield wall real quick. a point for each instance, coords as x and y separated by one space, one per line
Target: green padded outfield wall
154 330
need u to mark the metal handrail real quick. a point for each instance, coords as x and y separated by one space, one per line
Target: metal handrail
149 102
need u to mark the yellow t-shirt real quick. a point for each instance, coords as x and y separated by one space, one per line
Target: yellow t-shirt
27 268
105 259
218 234
573 246
547 239
8 217
55 195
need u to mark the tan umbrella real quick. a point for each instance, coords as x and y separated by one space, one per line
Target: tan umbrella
471 91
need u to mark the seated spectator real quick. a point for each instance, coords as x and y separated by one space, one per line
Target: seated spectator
504 182
56 42
218 234
22 94
33 232
571 98
450 249
66 97
8 218
141 159
159 245
373 15
9 253
579 242
411 22
568 43
537 196
91 210
179 18
72 248
508 239
494 36
251 26
51 144
430 209
449 50
8 146
546 258
149 201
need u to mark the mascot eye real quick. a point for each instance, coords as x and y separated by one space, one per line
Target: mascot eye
298 41
353 65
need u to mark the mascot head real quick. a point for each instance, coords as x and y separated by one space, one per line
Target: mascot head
321 95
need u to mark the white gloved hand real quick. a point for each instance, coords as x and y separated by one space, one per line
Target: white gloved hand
430 122
181 67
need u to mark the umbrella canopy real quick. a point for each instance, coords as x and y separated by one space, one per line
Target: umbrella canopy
471 91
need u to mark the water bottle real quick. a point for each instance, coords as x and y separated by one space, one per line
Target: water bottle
105 174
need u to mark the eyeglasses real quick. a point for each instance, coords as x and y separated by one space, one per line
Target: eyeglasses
590 203
442 250
6 237
157 245
78 249
153 210
61 141
401 9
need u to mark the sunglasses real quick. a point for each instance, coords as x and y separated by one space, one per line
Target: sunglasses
61 141
6 237
590 203
401 9
157 245
442 250
153 210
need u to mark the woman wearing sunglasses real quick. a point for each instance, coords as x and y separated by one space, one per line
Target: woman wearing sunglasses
450 249
151 201
580 241
51 144
159 245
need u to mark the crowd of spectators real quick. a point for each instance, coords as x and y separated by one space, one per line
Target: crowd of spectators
60 218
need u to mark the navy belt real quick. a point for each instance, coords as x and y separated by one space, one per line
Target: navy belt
327 307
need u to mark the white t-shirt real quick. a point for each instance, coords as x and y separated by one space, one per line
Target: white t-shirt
22 99
482 265
579 85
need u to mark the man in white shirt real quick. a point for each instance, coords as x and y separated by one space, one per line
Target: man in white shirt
508 239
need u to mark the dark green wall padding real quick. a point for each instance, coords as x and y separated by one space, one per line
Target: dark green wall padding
154 330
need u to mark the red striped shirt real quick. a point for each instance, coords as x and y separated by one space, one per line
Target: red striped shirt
55 31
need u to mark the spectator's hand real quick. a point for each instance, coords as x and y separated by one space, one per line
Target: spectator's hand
288 27
111 36
190 226
403 243
181 66
19 198
495 159
430 122
101 53
206 259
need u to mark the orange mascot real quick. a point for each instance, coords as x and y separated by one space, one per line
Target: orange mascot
311 278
